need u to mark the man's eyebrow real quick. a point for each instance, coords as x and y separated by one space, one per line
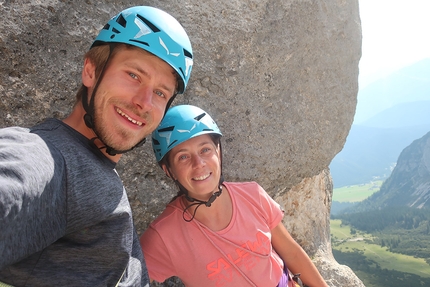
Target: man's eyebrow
136 67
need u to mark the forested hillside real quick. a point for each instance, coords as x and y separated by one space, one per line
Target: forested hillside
403 230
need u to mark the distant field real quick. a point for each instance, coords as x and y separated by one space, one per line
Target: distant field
342 240
355 193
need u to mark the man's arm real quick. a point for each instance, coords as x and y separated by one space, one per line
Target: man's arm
29 217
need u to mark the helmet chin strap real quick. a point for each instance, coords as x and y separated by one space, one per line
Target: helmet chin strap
197 202
89 116
111 151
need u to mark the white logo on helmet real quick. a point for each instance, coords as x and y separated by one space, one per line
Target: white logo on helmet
187 131
167 135
188 65
143 29
167 49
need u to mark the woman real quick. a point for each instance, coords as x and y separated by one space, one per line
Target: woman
216 233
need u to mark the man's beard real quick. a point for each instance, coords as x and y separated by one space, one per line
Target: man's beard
118 138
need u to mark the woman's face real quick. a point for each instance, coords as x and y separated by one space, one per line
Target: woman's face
196 164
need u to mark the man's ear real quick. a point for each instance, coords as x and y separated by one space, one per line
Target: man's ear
88 74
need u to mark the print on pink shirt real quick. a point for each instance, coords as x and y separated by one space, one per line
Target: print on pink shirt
221 270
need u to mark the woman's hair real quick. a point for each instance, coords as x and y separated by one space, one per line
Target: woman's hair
165 161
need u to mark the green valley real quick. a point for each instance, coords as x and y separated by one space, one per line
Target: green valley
355 193
389 247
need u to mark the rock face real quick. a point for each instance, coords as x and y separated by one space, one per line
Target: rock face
307 217
280 77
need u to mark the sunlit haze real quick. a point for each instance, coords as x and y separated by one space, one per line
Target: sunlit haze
395 35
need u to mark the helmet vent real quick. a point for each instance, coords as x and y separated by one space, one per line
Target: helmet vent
106 27
188 54
140 42
172 143
149 24
121 20
168 129
199 117
182 71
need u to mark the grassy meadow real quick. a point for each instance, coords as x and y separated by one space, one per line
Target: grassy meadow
356 193
376 266
344 241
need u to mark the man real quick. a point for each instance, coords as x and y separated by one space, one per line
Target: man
65 219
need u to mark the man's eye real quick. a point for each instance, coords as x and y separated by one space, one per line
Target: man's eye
160 94
133 75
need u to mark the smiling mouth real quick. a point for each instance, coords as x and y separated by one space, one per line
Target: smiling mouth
203 177
128 117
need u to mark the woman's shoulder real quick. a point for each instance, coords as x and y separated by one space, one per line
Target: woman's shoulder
249 191
248 187
171 214
244 184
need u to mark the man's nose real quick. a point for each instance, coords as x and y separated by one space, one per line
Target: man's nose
143 98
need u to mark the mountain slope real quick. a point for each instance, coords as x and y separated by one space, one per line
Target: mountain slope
409 183
391 113
371 152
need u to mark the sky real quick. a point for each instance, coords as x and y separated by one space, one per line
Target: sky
396 34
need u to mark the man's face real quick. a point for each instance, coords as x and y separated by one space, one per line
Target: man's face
131 98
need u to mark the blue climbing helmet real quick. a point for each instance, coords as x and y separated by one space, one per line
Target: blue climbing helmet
155 31
180 124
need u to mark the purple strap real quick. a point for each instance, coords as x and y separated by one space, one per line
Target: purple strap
284 278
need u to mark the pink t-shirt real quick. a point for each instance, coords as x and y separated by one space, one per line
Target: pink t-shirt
239 255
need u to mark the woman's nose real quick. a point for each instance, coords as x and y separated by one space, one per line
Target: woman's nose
198 161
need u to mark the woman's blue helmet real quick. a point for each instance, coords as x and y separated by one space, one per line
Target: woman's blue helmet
154 31
180 124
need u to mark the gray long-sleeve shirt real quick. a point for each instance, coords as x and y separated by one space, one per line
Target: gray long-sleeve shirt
65 219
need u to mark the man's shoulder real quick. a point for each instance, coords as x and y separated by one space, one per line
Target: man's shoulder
16 137
59 135
12 133
47 127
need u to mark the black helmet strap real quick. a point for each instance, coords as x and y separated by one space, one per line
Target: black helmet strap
197 202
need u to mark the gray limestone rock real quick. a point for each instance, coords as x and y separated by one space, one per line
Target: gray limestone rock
280 77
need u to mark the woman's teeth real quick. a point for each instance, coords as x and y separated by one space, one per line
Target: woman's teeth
203 177
128 117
